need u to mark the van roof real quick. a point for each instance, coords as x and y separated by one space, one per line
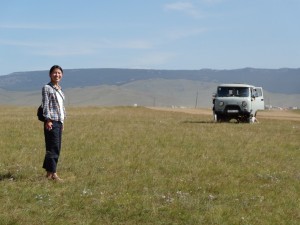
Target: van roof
235 85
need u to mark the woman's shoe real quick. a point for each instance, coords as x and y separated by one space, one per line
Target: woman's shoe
49 175
56 178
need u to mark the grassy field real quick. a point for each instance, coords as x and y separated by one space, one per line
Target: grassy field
126 165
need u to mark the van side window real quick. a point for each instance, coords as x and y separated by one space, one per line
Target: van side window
257 92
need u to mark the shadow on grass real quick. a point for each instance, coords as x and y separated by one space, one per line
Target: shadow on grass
203 121
210 122
7 176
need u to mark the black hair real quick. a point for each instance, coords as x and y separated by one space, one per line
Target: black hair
55 67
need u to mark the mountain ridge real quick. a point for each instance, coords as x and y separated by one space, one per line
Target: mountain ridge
170 88
283 80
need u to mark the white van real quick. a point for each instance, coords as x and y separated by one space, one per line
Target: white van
237 101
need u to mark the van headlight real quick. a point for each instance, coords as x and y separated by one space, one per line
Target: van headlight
244 104
221 103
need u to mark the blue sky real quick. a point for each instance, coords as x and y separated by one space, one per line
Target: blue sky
149 34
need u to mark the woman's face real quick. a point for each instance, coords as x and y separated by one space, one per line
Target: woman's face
56 76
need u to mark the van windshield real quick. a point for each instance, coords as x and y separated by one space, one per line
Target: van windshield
233 91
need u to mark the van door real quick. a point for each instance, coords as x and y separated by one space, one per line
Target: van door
258 102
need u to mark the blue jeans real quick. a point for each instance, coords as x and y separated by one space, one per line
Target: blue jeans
53 146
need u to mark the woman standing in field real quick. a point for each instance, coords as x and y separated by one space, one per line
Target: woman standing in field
54 113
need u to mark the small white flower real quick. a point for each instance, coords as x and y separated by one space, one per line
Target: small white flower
86 192
211 197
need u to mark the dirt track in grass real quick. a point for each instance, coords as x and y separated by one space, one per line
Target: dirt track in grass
266 114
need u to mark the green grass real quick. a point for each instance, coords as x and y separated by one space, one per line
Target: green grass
128 165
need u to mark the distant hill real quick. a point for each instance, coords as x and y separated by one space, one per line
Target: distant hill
286 81
188 88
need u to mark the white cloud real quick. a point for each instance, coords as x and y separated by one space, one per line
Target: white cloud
129 44
185 33
184 7
66 51
87 48
16 43
153 59
20 26
212 1
75 47
38 26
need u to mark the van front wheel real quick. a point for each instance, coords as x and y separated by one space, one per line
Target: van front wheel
215 117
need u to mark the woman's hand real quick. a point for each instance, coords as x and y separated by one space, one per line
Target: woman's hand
48 125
